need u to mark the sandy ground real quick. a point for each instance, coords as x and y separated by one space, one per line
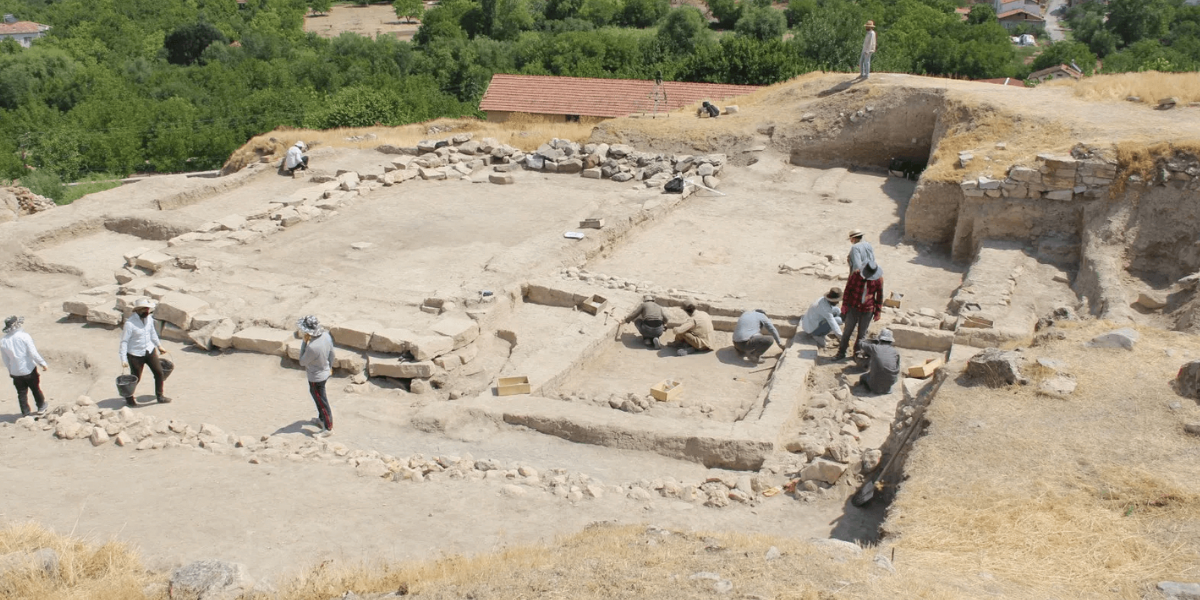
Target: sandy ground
181 504
372 21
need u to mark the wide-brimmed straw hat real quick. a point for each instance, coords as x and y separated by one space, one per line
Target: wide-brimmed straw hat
886 336
855 233
143 303
870 24
302 145
834 295
13 323
310 325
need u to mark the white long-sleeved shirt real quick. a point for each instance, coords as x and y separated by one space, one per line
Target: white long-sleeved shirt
869 42
821 310
293 158
139 337
20 355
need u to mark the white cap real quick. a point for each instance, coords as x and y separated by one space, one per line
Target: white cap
301 145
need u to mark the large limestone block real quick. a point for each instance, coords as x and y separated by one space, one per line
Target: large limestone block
204 337
210 580
394 367
428 347
393 341
355 334
173 333
179 308
154 260
349 361
263 340
920 338
82 304
432 173
462 329
573 165
104 315
222 336
824 470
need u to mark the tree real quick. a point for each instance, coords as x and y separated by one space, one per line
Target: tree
186 44
562 9
763 23
511 18
600 12
1103 42
683 30
320 6
408 9
726 12
644 13
799 10
981 13
1136 20
1065 53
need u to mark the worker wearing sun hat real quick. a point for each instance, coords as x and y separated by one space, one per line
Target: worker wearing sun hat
295 158
864 61
316 356
22 360
140 347
882 362
862 253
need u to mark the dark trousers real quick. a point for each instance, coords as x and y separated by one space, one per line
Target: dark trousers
25 384
317 389
650 330
854 320
137 362
303 166
755 346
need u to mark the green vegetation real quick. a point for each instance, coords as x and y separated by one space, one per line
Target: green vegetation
123 86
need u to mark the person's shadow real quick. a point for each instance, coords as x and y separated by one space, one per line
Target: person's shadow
296 427
841 87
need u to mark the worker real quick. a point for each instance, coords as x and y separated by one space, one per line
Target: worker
696 332
712 111
140 346
823 317
748 338
882 362
650 320
316 356
295 158
868 49
861 302
21 358
862 253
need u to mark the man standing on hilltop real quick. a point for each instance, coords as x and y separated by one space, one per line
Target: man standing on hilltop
22 360
864 61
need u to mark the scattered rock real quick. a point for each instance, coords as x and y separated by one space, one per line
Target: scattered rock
209 580
99 436
772 554
43 559
1192 428
1118 338
1059 386
514 491
1187 382
995 367
1181 591
1151 301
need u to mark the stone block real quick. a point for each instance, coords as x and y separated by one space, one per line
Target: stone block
1024 174
432 173
179 308
355 334
222 336
1061 195
175 334
395 367
81 304
995 367
232 223
1151 300
349 361
573 165
105 315
393 341
203 336
1118 338
501 178
822 469
426 347
920 338
263 340
154 261
593 173
987 183
462 329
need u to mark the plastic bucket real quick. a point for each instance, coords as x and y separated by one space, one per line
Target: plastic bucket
167 367
126 384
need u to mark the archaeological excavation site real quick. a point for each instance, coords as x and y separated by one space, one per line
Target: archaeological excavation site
501 429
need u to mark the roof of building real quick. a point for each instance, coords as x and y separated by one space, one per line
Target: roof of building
1011 13
1047 71
543 94
963 12
22 27
1030 7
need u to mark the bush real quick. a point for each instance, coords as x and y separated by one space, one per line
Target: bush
726 12
762 23
186 44
1065 53
683 30
45 182
644 13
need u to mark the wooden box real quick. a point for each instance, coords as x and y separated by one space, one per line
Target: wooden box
593 305
893 300
510 386
977 322
923 371
667 390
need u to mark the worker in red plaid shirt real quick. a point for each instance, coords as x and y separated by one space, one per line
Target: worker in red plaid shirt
861 302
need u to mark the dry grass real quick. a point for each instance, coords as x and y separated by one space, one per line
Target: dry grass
107 572
977 128
1087 497
526 132
1150 86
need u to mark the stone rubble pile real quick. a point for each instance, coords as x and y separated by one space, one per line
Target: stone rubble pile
827 449
1054 177
810 263
84 420
621 163
16 201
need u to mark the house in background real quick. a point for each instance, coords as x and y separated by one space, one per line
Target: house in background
22 31
1011 14
573 99
1055 72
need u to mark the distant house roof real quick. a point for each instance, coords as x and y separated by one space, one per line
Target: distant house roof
1063 68
542 94
1030 16
1009 81
22 27
1032 8
963 12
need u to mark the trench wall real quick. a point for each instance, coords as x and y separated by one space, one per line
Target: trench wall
867 131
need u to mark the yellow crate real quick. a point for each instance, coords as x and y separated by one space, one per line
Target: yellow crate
510 386
667 390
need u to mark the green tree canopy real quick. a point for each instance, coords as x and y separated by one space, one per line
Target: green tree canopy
981 13
644 13
186 44
320 6
408 9
1065 53
683 30
726 12
763 23
1136 20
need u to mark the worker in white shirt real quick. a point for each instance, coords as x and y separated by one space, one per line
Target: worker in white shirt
868 50
295 159
21 358
140 346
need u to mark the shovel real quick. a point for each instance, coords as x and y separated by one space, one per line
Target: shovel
866 493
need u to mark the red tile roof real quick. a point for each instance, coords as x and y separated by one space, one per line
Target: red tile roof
21 27
542 94
1029 16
